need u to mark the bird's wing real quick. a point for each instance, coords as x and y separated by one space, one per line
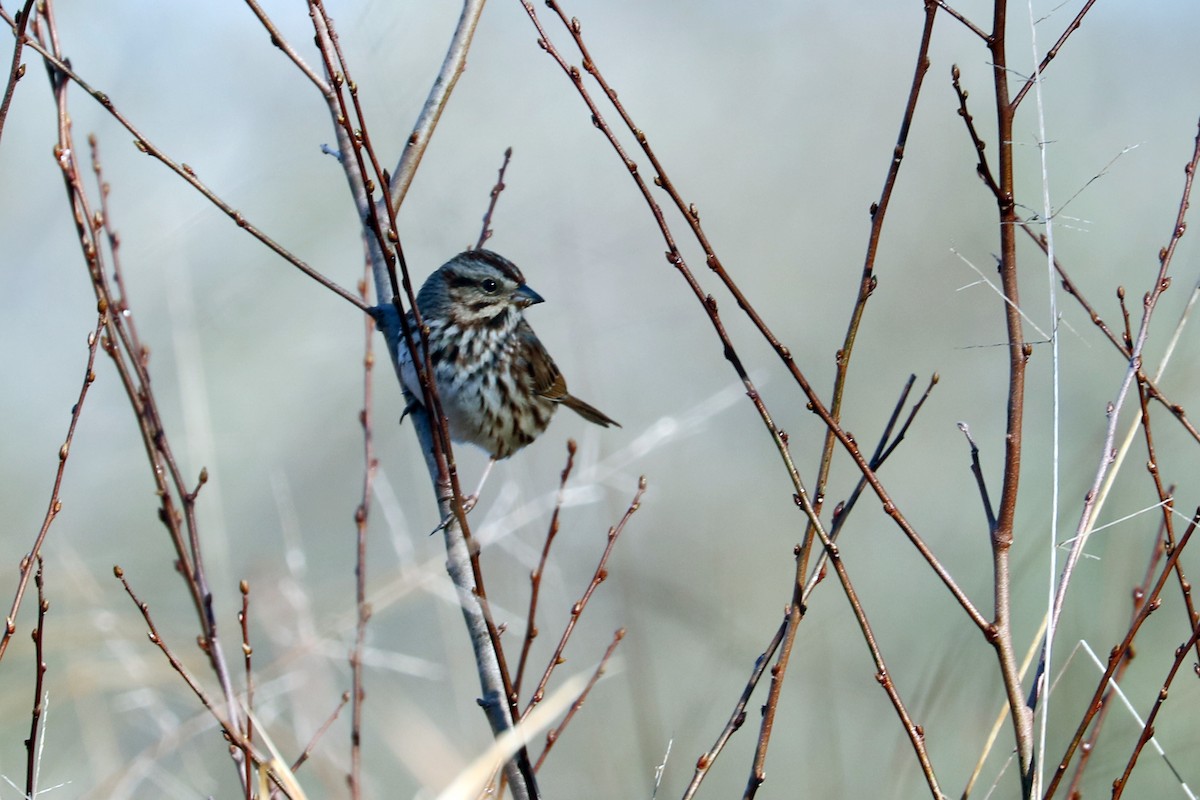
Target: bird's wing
537 365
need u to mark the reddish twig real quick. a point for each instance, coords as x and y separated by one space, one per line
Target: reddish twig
598 577
282 43
982 168
129 360
60 67
1121 343
1147 734
486 232
316 737
675 258
247 652
39 654
1052 52
738 717
1139 600
55 505
1136 344
232 732
554 735
535 577
361 515
17 70
971 26
999 633
1117 655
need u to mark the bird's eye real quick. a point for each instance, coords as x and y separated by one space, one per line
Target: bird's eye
489 285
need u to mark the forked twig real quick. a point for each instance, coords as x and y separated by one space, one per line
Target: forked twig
598 577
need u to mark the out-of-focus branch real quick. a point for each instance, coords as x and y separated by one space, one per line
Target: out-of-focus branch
439 94
177 500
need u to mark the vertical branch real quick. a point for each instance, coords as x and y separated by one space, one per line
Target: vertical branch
361 515
39 643
429 423
1000 631
247 662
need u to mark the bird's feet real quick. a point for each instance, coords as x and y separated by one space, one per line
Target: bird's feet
468 503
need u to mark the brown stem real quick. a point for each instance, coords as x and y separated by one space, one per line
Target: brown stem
1000 631
535 577
39 655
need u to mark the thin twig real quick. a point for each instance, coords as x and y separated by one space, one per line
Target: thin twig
361 515
977 471
738 718
1139 599
1117 654
535 577
1052 52
1000 632
486 232
130 362
32 749
17 70
554 735
55 504
316 737
283 44
233 733
708 302
1149 302
145 145
971 26
247 661
598 577
1147 734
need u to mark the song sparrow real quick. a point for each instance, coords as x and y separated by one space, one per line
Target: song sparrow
497 384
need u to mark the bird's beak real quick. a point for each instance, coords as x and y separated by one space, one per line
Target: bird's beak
525 297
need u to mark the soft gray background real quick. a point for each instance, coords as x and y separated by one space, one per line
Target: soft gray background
778 121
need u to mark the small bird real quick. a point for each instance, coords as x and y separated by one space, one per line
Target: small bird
497 384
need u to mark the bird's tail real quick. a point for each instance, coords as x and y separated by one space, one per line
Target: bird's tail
588 412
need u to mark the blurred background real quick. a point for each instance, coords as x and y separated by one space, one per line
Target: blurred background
778 121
